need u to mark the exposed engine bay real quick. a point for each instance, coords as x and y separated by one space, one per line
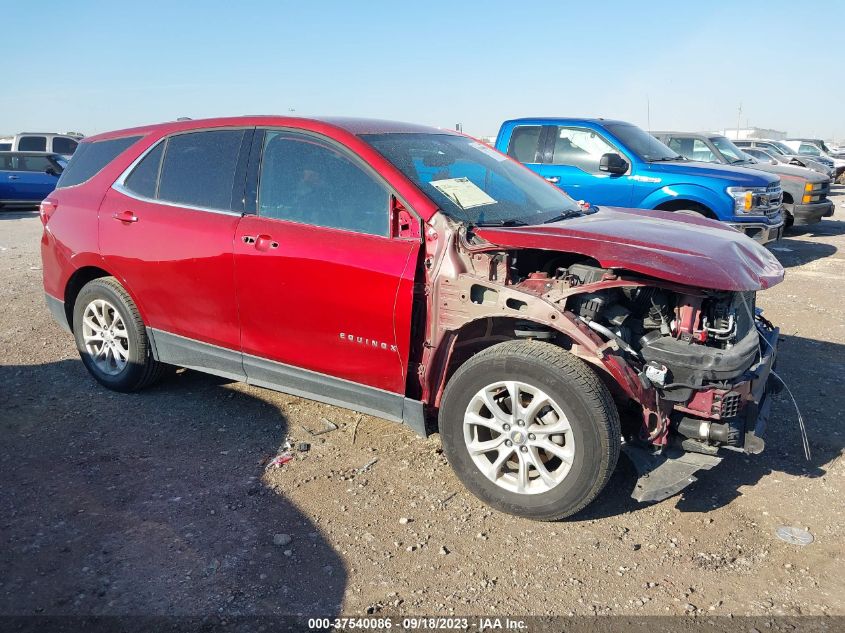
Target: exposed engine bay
688 367
693 347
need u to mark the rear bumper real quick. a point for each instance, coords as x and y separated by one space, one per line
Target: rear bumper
57 309
803 214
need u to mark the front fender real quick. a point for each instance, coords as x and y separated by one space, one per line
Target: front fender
719 204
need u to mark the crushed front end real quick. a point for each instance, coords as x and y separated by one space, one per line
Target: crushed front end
691 368
703 360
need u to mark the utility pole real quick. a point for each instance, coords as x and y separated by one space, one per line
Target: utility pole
738 114
648 113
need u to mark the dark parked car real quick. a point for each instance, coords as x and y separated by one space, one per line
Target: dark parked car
422 276
27 177
804 190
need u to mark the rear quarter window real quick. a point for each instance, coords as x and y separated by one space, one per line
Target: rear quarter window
32 144
63 145
198 168
90 158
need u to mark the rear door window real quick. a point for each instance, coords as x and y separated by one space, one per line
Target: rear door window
198 169
32 144
525 143
90 158
64 145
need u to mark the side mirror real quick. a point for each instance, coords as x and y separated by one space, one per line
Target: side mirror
51 171
613 163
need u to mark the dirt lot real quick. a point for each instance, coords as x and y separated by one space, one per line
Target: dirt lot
159 503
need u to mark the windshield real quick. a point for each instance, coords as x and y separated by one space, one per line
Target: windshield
730 151
642 143
780 147
472 182
760 154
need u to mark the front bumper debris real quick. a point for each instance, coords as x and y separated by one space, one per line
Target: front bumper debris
664 473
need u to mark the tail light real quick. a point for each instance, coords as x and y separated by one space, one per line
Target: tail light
46 209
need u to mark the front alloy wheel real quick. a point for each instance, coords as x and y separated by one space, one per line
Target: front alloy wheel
519 437
530 429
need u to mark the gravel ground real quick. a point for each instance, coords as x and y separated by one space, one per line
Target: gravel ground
159 502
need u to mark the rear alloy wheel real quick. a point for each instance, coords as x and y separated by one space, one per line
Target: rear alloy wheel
530 429
111 337
105 337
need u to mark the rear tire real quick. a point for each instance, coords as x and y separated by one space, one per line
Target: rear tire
111 337
553 455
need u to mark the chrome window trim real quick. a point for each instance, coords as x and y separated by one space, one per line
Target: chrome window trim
119 185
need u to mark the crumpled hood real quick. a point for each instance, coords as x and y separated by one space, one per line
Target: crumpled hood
679 248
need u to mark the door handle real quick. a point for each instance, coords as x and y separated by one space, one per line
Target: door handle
13 177
261 242
125 216
552 179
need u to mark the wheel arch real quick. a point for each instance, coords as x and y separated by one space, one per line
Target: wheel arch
684 204
668 197
461 344
83 275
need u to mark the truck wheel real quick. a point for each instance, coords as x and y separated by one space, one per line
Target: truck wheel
788 218
530 430
111 337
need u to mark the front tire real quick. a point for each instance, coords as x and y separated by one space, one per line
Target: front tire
111 337
548 457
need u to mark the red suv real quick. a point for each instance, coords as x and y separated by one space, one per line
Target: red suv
418 275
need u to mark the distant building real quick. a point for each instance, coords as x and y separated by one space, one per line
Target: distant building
753 132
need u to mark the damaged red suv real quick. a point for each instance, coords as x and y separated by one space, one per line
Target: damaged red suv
418 275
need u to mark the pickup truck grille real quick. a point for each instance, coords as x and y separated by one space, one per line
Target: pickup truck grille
775 195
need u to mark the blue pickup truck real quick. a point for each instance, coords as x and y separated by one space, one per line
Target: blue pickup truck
614 163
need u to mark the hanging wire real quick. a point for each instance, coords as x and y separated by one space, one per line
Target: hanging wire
804 440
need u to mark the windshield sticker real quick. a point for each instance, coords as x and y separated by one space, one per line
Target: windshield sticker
492 153
463 192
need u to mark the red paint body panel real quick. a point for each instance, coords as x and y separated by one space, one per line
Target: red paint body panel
331 301
178 263
69 240
682 249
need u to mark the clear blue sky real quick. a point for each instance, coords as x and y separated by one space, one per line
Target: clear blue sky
94 65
